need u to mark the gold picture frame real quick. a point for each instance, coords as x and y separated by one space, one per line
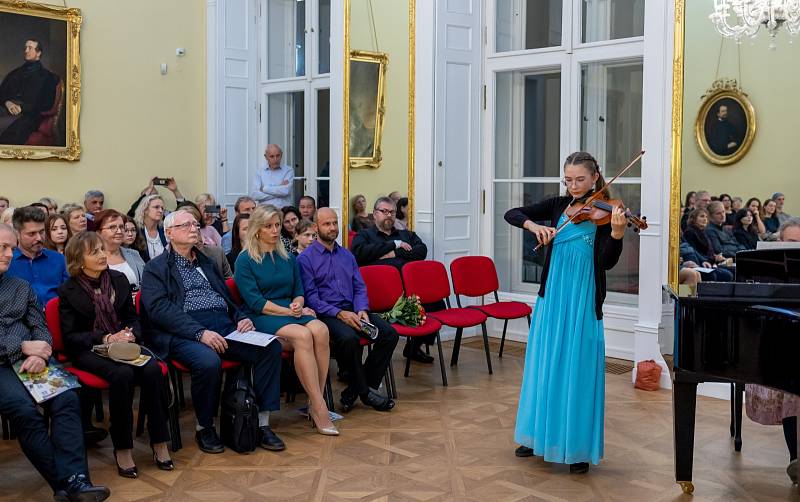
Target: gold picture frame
726 123
56 134
367 107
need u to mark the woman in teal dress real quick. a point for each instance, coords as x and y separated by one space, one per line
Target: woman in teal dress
269 282
560 414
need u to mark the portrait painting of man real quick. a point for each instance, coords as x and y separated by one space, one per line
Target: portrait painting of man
726 126
726 123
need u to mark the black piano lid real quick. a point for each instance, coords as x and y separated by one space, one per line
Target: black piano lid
768 265
791 314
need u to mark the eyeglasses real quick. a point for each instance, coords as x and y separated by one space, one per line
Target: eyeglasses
387 212
115 228
186 226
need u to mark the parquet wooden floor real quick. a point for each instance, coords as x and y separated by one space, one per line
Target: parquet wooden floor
448 444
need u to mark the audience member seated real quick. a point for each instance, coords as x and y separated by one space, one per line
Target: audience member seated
134 239
215 253
150 189
722 241
401 220
291 216
383 244
689 276
779 199
335 290
95 307
736 204
395 196
4 203
361 219
697 237
53 443
56 233
745 230
42 207
51 204
110 226
7 215
93 203
187 311
306 232
243 205
702 199
149 216
729 213
773 407
689 203
691 259
76 218
240 225
44 269
770 219
269 281
308 207
211 218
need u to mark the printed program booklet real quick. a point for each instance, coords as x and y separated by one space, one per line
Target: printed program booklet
52 381
252 337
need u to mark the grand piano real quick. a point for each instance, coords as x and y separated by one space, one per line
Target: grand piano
738 332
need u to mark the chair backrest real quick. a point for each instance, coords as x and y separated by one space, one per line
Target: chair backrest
426 279
474 276
137 302
54 324
234 291
350 236
384 286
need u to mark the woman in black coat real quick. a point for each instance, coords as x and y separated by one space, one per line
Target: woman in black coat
744 229
95 307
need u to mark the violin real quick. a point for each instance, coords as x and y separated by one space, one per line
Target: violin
599 211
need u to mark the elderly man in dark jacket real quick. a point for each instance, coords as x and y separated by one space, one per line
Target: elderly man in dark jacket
383 244
187 312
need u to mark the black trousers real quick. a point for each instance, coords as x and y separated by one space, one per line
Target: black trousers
57 455
346 347
122 379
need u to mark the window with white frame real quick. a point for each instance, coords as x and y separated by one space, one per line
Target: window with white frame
566 75
294 89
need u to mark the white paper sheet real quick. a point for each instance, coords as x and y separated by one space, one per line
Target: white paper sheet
252 337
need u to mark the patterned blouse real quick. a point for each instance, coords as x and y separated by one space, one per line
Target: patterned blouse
199 294
21 319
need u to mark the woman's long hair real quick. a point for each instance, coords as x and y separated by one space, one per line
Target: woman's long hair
236 242
142 208
586 160
48 230
737 221
286 210
258 219
692 220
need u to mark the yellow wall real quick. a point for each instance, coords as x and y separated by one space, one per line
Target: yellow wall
135 123
770 78
391 23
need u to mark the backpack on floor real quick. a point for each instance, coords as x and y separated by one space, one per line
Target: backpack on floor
239 416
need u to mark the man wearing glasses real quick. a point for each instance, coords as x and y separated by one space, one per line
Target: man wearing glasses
187 312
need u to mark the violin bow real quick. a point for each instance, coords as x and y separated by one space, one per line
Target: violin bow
592 197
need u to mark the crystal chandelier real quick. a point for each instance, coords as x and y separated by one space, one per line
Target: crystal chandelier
739 18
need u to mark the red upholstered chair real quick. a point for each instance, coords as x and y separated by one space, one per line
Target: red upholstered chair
350 236
47 134
384 287
428 280
477 276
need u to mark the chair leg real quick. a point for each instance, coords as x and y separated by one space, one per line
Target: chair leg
486 347
529 320
503 339
329 394
733 410
456 347
140 418
408 363
441 359
179 389
391 378
98 406
6 427
174 424
737 440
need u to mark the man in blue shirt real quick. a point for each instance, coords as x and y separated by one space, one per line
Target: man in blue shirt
335 290
44 269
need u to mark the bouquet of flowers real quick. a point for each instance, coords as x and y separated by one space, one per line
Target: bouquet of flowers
407 311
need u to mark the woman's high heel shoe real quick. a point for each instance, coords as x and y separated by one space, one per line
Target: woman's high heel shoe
164 465
325 431
130 472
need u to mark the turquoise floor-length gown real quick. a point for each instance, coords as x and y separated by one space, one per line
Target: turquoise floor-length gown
560 414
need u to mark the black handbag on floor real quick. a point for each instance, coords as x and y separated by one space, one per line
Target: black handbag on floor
239 417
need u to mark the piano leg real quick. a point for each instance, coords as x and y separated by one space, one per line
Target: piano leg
684 403
737 441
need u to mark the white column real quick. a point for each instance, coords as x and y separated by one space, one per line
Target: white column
337 108
424 86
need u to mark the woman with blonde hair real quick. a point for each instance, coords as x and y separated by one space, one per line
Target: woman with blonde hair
76 218
269 282
150 216
52 205
6 215
213 225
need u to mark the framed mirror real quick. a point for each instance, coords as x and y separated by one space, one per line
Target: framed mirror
756 89
378 126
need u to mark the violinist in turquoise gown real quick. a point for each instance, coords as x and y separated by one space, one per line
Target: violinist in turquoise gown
561 402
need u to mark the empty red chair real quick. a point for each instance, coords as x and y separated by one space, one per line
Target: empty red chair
384 287
428 280
477 276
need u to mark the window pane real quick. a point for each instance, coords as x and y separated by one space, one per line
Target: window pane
611 19
286 42
323 193
611 112
624 277
285 128
324 34
528 125
323 147
527 24
518 267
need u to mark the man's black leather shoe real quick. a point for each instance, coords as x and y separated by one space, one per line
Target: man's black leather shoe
523 451
269 440
416 354
348 399
79 489
93 435
377 401
208 441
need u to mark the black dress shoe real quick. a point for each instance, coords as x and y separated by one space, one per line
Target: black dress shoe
348 399
208 441
79 488
377 401
523 451
415 353
579 468
269 440
93 435
126 472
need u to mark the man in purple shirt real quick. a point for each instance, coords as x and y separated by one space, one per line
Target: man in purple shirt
335 290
